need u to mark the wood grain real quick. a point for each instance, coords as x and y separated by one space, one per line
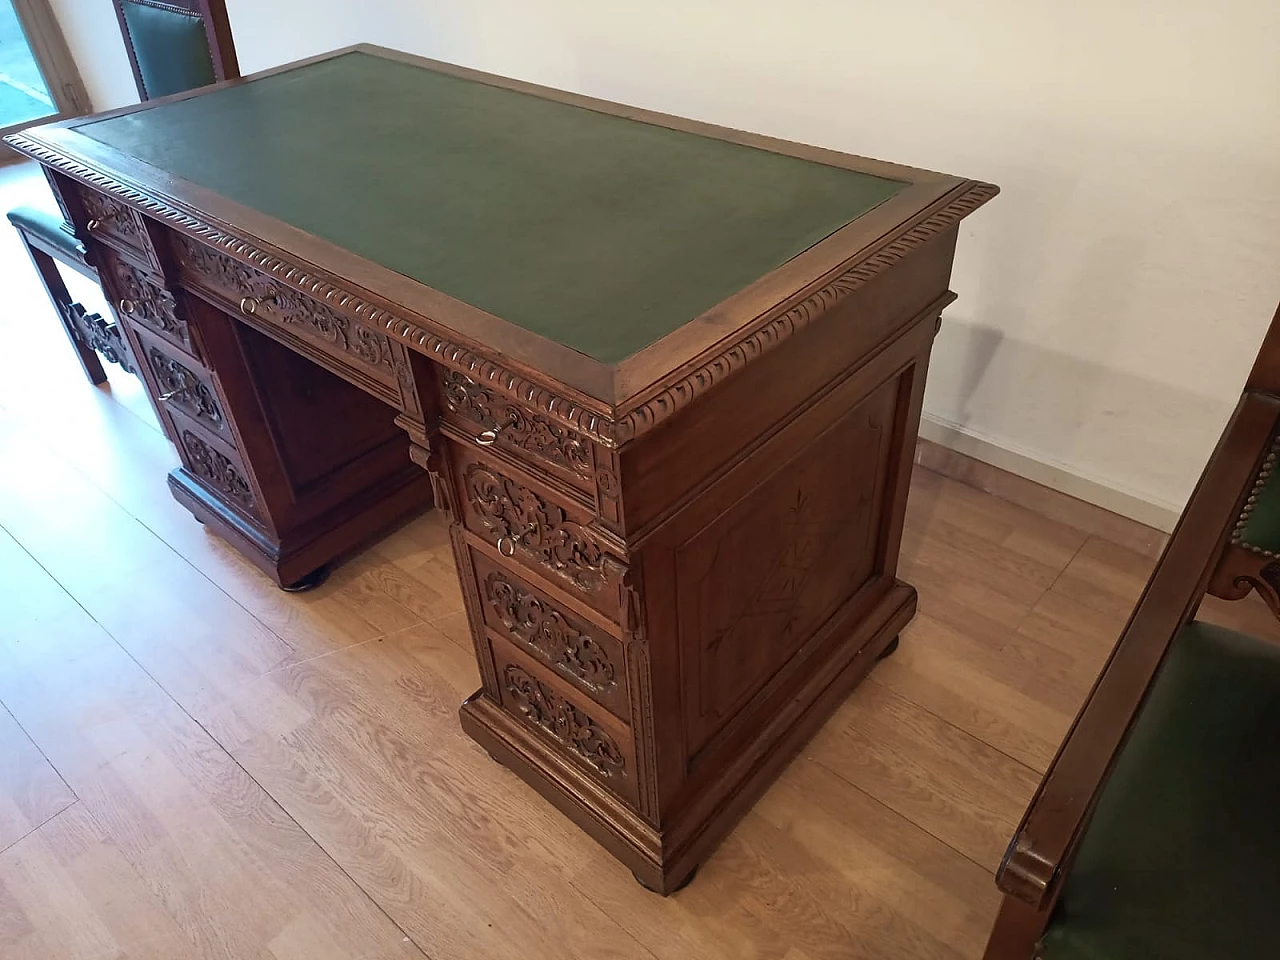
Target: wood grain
259 775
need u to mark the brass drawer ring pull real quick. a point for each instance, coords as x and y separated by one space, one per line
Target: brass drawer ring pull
507 545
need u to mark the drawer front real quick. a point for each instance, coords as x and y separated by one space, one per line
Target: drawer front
529 526
536 440
335 340
583 654
595 740
142 298
185 385
115 223
215 463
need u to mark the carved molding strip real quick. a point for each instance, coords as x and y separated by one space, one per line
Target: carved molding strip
221 473
544 707
544 629
184 388
526 521
759 338
774 332
532 432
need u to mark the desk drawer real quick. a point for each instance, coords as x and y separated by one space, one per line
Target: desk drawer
528 525
114 223
335 340
143 298
491 420
185 385
583 654
215 463
598 742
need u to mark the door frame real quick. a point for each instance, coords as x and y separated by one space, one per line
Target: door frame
49 47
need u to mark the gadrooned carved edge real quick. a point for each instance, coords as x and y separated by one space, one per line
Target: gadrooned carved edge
773 332
762 337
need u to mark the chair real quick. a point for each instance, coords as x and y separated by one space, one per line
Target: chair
173 46
1155 832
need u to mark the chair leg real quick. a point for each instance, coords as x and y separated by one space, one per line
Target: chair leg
60 296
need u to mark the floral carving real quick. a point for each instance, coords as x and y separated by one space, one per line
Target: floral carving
213 467
115 217
560 718
542 627
522 518
183 388
517 426
148 303
291 308
98 334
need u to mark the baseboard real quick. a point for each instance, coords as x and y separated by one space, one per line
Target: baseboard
1101 510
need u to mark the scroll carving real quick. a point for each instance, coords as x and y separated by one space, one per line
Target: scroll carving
533 432
99 334
115 216
544 707
294 309
183 388
520 516
149 304
540 626
213 467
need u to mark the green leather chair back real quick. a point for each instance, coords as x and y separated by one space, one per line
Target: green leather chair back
174 44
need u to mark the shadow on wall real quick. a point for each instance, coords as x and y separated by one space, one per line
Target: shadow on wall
1082 417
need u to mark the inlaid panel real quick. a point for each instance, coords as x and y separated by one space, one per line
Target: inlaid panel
758 581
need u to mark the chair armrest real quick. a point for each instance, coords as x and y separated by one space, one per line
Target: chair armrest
1041 848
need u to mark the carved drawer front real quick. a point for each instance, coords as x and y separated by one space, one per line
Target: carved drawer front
184 385
594 739
115 223
579 651
336 340
489 419
215 463
143 299
530 527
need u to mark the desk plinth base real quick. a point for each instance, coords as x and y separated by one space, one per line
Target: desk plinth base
663 859
297 555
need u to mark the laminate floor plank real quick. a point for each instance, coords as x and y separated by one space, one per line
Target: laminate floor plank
194 764
169 848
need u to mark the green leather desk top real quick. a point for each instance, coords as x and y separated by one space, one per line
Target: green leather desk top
595 231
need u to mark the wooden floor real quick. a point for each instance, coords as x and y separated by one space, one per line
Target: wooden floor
196 765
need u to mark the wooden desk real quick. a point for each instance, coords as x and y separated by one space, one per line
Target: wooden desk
665 379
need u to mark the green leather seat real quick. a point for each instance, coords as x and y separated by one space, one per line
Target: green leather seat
1181 858
51 228
171 47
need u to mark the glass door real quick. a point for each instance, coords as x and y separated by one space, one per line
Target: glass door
38 81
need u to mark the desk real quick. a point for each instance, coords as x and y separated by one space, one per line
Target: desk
664 378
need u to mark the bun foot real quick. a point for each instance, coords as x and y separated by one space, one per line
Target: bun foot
675 888
888 651
309 582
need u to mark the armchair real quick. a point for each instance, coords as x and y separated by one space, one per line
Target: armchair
173 46
1154 832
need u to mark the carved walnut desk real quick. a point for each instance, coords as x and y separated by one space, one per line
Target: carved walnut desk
664 378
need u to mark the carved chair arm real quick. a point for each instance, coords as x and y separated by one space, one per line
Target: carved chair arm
1042 846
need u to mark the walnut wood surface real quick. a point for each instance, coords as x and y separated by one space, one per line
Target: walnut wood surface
261 774
715 522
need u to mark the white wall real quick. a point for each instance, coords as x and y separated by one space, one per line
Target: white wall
1111 298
